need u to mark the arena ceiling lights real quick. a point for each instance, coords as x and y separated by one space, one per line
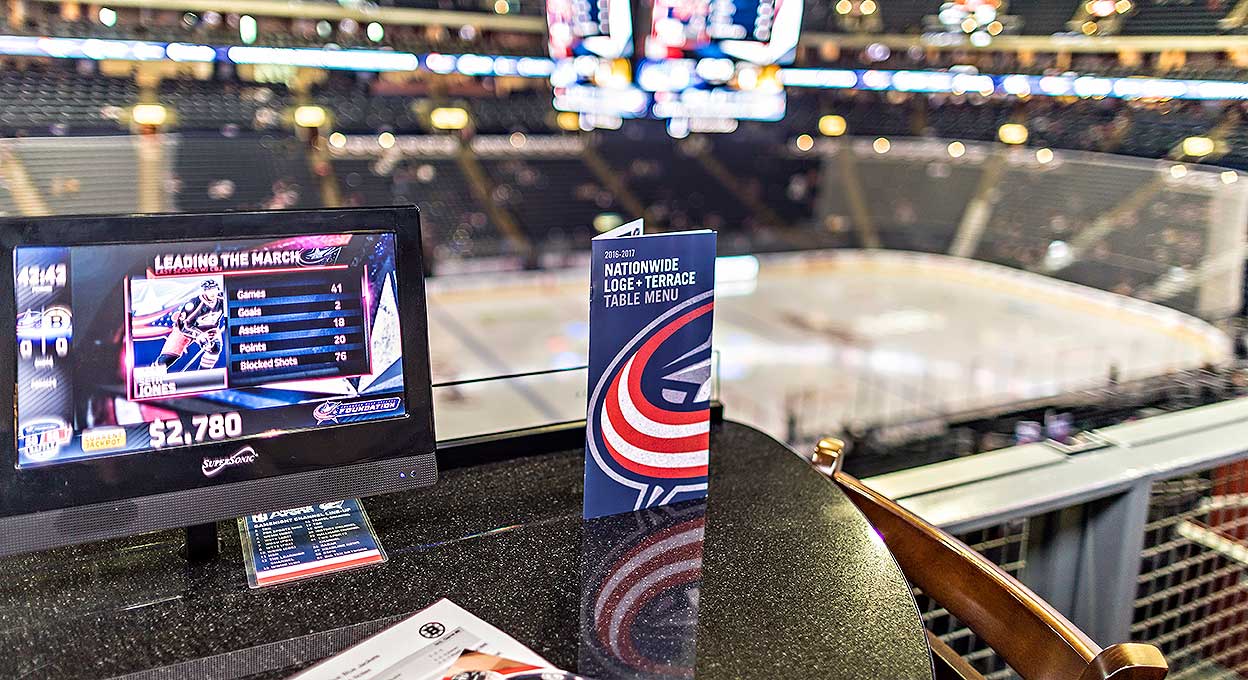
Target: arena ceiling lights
924 82
950 82
336 59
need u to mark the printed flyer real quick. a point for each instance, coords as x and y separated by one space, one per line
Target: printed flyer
442 642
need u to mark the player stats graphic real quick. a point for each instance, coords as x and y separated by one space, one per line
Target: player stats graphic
177 327
648 422
140 348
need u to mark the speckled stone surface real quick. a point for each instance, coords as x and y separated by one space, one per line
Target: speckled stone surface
793 580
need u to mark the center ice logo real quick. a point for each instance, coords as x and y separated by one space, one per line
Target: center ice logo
649 422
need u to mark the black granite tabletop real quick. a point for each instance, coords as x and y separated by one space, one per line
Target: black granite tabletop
792 583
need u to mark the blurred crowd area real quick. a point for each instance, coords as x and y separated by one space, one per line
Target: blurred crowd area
862 17
68 97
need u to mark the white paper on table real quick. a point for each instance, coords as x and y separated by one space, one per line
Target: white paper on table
422 647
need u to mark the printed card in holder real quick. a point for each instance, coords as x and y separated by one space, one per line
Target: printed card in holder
652 300
289 545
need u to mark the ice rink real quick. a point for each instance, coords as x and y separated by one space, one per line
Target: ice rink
817 340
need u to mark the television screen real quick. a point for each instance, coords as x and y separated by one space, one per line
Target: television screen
177 370
133 349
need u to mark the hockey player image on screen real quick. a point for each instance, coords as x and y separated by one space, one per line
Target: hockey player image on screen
177 335
200 320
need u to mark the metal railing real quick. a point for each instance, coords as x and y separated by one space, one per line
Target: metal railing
1143 540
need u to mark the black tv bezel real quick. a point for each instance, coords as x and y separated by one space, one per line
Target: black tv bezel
174 473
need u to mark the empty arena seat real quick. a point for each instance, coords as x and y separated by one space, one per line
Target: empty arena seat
450 217
787 184
207 105
926 214
1154 132
555 200
58 101
213 173
523 112
1177 17
361 185
452 222
674 187
1043 17
906 16
86 175
356 110
1082 188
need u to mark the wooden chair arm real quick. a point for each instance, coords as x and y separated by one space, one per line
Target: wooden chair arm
1032 637
1128 660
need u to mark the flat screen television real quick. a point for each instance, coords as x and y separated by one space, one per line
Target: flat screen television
175 370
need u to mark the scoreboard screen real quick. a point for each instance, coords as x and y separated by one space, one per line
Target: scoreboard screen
597 28
139 347
760 32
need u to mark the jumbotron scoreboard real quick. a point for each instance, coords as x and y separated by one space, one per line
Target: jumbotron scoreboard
705 61
142 347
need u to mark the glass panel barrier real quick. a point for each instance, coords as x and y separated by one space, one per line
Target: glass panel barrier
486 405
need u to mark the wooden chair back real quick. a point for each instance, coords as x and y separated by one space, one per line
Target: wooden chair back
1033 638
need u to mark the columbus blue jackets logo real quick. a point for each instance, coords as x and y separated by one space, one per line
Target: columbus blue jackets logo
649 418
313 257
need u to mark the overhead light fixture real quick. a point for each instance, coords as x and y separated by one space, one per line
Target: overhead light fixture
956 149
338 140
1230 177
108 16
449 118
881 145
310 116
1012 133
386 140
1044 156
1197 147
1178 171
568 120
149 114
804 142
248 29
832 125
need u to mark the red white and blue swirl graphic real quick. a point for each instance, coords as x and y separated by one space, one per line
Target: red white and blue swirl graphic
649 419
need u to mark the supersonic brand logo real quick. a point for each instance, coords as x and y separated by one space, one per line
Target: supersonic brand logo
42 439
331 411
243 456
649 428
313 257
